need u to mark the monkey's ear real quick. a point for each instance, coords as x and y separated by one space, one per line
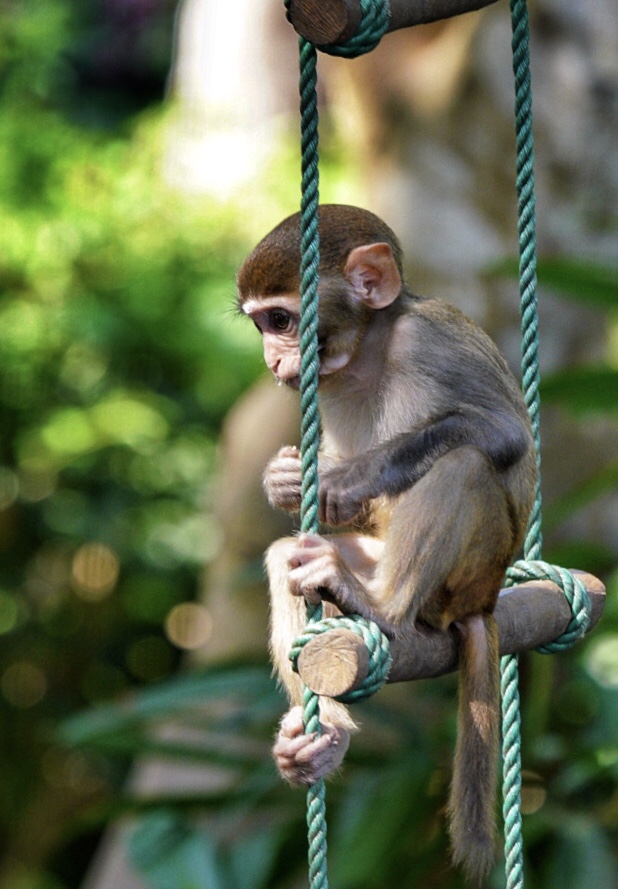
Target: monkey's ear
373 273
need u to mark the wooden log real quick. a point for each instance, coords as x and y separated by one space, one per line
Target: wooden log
335 21
336 666
528 615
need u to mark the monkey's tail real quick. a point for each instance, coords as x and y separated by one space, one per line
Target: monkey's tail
472 800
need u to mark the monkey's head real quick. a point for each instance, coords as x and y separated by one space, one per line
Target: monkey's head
360 272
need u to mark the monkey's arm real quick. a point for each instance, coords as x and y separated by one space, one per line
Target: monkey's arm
396 465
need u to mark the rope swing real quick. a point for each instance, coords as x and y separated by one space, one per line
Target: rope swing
377 17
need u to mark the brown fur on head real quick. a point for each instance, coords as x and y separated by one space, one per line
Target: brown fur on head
273 266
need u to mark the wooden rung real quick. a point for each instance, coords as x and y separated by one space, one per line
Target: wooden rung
335 21
528 615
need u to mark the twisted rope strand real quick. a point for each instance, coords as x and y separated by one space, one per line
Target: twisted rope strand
375 15
310 424
525 186
511 772
530 567
509 666
575 593
310 259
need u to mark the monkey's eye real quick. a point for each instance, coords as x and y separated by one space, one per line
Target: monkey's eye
280 320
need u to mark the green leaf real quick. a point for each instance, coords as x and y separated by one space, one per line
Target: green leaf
584 282
379 812
169 854
254 854
581 281
582 857
190 694
583 390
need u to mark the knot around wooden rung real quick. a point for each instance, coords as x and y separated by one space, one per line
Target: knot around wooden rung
574 590
355 36
529 615
350 671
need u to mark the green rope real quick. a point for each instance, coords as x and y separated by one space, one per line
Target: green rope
530 567
509 665
575 593
310 423
375 16
375 20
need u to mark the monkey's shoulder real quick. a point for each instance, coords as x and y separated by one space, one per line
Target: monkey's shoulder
431 310
431 324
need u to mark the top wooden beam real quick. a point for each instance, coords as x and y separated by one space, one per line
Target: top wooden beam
335 21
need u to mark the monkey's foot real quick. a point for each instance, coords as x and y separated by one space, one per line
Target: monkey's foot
305 758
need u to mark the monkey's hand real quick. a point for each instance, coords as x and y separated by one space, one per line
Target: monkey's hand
344 491
305 758
282 479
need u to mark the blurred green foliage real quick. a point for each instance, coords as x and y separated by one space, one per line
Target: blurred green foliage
119 358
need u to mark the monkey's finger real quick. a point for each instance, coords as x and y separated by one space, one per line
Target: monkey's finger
288 451
306 750
283 477
289 464
311 594
308 579
292 748
313 751
311 541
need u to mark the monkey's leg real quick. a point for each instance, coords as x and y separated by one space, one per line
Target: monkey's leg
450 540
301 758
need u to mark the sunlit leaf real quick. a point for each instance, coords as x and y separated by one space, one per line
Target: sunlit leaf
125 419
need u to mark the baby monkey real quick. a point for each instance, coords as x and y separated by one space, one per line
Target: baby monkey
427 471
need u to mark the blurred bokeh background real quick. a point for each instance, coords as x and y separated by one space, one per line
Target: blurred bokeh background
145 146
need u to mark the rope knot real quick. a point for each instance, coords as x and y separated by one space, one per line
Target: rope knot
375 641
375 15
574 591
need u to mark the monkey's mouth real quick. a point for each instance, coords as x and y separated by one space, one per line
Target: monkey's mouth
290 382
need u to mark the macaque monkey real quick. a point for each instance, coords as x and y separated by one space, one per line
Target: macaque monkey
427 471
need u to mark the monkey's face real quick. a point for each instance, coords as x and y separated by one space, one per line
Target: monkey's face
369 282
278 320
